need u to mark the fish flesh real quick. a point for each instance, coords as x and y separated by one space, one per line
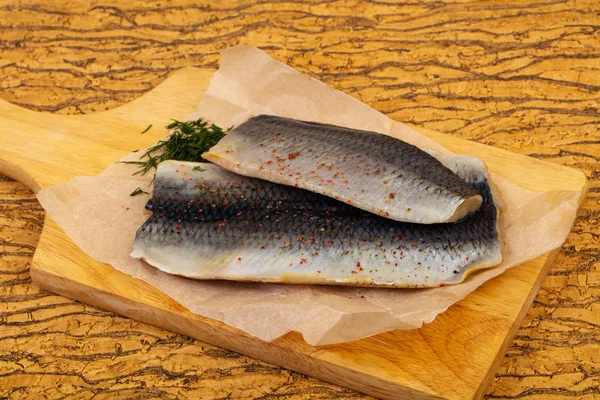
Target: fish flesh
209 223
368 170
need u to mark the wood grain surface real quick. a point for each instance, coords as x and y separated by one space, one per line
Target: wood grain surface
518 75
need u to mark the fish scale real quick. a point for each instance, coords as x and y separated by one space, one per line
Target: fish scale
368 170
300 240
184 197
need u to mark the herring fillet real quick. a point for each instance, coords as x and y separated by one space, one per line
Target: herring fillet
260 231
368 170
213 193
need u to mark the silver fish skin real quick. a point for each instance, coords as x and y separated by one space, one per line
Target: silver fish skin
209 192
368 170
299 240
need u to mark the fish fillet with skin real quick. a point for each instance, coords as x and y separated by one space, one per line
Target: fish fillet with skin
371 171
212 193
213 224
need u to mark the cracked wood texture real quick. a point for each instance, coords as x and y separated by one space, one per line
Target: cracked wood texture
519 75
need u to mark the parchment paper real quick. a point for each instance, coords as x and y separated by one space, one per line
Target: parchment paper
101 218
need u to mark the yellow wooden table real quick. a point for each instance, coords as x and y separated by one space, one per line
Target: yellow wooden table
518 75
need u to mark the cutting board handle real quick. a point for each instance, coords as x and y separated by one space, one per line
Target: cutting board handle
17 173
41 149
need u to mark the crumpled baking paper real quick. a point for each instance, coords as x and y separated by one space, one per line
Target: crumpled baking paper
101 217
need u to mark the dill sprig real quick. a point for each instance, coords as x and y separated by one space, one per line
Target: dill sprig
137 191
187 143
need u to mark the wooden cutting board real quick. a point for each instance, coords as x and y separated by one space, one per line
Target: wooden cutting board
454 357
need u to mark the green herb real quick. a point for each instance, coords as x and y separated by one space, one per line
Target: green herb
147 129
137 191
187 143
198 169
134 151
